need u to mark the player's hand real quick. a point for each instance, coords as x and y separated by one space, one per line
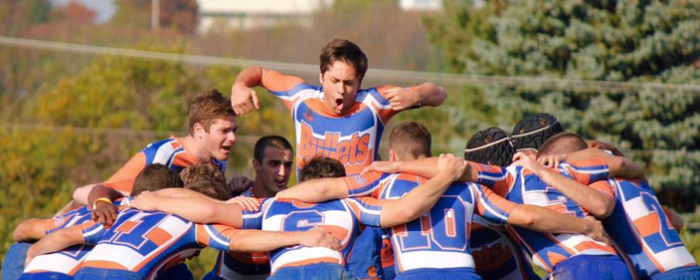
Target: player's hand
239 184
522 159
146 201
104 213
451 165
247 203
382 166
401 98
30 255
551 161
317 237
596 230
595 144
243 99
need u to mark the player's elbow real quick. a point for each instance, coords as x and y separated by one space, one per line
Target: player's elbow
22 231
602 209
242 243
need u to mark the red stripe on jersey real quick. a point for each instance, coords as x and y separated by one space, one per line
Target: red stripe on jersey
159 236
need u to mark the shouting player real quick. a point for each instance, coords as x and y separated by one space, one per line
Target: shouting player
337 119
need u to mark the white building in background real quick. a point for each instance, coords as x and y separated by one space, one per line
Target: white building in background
218 15
420 5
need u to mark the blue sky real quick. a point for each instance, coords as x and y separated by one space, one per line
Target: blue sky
104 8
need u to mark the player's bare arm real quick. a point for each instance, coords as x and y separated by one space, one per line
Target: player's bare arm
426 167
596 203
30 229
422 198
243 97
56 241
99 197
251 241
618 166
427 94
545 220
317 190
194 209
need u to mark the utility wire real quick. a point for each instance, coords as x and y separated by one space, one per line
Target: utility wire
442 79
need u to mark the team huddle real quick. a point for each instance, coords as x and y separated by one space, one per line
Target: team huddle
540 197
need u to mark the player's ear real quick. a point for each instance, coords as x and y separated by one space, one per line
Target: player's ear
256 165
392 155
199 130
320 77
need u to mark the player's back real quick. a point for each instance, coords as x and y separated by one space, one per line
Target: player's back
287 215
642 231
64 263
520 185
440 238
141 245
241 266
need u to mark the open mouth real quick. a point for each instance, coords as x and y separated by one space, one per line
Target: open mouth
281 183
339 104
227 149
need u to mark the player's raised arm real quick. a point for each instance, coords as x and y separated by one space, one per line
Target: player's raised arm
618 166
194 209
422 198
427 94
595 202
243 97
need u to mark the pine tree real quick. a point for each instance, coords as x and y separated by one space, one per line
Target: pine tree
607 40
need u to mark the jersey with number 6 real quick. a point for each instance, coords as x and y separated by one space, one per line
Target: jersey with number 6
341 217
638 225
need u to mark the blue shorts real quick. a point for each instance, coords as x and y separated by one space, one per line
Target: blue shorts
92 273
680 273
45 276
364 260
318 271
439 274
591 267
13 265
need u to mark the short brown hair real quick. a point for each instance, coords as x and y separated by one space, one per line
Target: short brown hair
211 188
155 177
202 171
207 107
345 51
322 167
562 143
410 138
270 141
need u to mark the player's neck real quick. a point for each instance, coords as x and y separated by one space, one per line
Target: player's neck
194 150
259 189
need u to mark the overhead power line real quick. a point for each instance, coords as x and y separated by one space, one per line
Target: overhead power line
442 79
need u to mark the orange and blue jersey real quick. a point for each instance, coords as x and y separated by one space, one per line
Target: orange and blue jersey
496 255
241 266
521 186
440 238
342 218
62 264
648 242
170 152
143 244
352 138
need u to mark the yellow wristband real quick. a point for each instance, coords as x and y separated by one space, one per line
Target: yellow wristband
101 199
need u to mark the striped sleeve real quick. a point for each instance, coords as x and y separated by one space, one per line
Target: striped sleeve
585 171
368 210
92 231
491 206
497 178
123 180
364 184
289 89
378 99
254 219
215 235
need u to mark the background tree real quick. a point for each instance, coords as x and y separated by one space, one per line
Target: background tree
634 41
